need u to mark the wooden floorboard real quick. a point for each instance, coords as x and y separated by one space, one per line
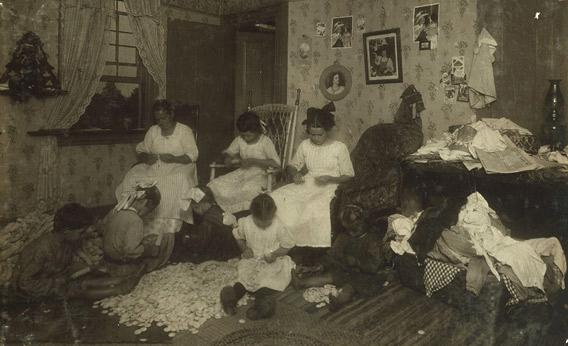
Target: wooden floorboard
396 316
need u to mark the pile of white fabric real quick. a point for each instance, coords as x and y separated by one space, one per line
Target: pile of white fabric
179 297
560 157
463 142
402 227
524 257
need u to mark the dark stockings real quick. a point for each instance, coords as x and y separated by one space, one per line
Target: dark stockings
264 304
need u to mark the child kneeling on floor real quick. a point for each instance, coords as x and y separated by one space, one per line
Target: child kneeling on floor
353 263
264 268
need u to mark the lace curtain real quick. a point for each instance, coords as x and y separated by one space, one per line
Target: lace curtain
82 62
147 22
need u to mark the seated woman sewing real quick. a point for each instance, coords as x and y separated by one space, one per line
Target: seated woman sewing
167 155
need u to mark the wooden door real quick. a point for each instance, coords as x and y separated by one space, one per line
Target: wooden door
254 70
200 71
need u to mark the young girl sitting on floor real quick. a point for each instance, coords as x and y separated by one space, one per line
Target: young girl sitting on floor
264 267
254 153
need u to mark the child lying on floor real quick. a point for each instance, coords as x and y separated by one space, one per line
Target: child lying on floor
210 237
352 264
264 268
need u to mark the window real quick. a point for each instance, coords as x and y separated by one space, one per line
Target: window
119 100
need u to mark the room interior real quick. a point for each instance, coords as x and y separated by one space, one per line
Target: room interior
224 56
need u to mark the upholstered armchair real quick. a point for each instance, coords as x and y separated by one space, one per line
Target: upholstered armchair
376 159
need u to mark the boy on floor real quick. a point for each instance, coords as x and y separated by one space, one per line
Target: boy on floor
264 268
210 237
353 263
43 267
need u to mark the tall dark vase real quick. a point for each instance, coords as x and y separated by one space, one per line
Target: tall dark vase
554 124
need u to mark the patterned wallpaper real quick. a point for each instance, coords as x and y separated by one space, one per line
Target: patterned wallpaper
88 174
367 105
91 173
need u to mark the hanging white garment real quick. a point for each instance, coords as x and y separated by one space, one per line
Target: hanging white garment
481 80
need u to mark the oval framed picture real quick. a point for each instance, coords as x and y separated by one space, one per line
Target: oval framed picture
335 82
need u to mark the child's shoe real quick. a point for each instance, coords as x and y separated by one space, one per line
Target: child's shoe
264 307
229 300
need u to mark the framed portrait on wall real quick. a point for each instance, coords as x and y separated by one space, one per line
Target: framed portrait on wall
383 60
335 82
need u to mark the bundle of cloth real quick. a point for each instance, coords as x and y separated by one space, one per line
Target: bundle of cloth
470 237
462 142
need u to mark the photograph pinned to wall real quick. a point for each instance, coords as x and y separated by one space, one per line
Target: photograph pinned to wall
450 94
361 21
335 82
458 70
383 60
320 29
463 93
425 26
341 32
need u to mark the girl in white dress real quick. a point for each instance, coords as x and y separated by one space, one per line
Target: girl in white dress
264 267
254 153
304 206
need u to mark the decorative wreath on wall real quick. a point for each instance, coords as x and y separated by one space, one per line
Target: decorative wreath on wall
335 82
28 72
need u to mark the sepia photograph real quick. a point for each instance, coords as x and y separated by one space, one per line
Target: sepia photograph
341 32
425 26
283 172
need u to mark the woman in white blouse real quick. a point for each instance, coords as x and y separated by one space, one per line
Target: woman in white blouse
168 155
304 206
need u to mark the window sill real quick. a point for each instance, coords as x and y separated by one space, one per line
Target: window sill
91 136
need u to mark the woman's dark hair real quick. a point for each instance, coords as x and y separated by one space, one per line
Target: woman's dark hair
72 216
263 207
162 105
319 118
249 122
153 196
330 79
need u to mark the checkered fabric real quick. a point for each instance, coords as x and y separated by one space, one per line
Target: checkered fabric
438 275
515 297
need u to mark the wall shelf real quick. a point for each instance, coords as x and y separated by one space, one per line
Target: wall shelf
66 137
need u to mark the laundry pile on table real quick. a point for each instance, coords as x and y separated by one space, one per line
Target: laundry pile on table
486 143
